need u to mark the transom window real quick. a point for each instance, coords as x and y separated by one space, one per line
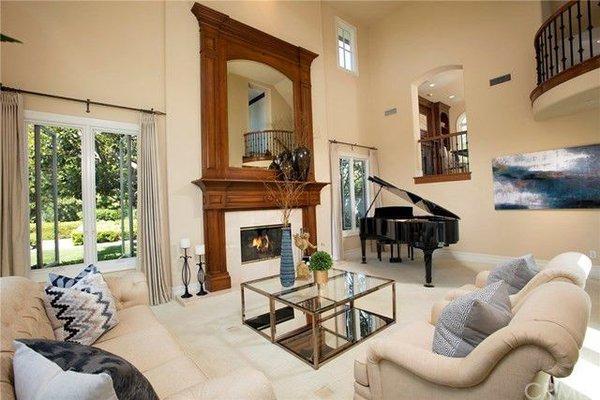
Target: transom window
82 191
346 46
353 178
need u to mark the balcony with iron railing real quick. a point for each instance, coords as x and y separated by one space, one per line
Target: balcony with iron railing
261 147
567 52
444 158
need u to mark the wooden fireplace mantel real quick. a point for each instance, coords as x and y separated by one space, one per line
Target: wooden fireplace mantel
225 187
223 195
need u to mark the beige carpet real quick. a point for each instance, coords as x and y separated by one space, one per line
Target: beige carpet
212 334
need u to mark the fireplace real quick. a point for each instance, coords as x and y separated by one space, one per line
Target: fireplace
260 243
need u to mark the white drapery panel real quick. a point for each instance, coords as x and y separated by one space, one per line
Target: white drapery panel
373 189
336 200
152 253
14 207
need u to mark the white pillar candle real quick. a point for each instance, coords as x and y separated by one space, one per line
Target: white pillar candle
200 250
184 243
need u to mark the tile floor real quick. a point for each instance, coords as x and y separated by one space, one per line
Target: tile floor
212 334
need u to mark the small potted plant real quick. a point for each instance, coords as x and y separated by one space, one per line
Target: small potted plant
320 263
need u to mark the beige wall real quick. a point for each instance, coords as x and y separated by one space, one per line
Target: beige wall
488 39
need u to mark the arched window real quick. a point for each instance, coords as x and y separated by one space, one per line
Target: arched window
461 122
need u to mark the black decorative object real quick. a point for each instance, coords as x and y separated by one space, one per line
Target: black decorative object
301 158
201 277
185 274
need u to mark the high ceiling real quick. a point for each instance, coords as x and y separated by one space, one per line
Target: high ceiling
445 84
365 12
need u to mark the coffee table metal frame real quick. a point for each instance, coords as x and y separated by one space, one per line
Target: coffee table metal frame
314 318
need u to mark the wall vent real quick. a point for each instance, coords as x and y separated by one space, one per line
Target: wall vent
390 111
500 79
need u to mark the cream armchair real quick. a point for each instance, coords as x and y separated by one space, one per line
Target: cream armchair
545 334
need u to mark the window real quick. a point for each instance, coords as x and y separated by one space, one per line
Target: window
461 122
353 179
82 191
346 46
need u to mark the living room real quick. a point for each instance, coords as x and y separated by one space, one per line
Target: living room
191 148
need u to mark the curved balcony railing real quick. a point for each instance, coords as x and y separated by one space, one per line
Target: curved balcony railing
267 144
567 44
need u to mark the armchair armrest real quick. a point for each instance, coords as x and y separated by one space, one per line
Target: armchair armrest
128 289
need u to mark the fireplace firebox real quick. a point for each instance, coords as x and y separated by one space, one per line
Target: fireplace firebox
260 243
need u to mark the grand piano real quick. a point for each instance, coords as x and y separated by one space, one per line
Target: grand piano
398 225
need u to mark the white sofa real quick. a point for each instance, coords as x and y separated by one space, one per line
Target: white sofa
139 338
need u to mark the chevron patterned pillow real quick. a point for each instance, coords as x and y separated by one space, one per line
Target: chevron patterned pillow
67 282
83 312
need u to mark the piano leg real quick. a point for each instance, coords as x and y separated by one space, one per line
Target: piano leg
427 254
363 249
411 250
379 250
392 258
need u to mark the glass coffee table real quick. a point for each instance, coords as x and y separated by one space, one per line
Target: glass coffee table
319 321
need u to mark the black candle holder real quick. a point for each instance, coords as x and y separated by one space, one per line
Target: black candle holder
186 275
201 277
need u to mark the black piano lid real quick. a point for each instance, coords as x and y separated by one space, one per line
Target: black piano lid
423 204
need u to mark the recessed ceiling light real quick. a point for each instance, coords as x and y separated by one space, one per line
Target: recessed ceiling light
430 94
598 41
451 96
432 84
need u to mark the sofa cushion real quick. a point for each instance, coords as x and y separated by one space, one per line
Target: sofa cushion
127 382
468 320
515 273
82 312
131 320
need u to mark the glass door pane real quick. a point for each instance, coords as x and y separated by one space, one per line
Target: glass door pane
55 200
346 194
360 190
116 195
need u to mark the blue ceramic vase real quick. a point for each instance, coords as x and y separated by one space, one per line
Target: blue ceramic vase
287 272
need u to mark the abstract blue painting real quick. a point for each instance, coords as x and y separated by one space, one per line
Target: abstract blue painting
562 178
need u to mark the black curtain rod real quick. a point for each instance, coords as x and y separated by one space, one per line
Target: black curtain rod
353 144
87 102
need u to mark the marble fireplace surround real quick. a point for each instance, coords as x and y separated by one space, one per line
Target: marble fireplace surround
236 220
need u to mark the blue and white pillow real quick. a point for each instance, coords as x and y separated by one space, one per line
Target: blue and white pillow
66 282
83 310
516 273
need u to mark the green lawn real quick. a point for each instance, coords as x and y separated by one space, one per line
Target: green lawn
74 254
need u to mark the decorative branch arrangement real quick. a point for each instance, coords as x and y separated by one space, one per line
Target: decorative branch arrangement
285 194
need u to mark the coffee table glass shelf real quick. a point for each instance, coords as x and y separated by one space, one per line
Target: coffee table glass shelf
327 313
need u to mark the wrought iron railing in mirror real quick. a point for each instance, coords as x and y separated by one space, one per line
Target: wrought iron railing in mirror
445 155
267 144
